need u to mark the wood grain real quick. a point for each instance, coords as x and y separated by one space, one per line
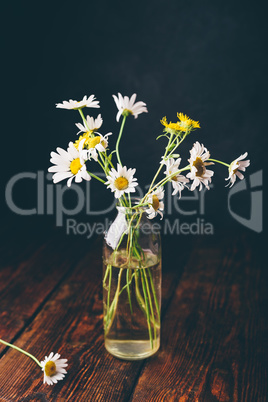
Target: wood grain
213 327
32 276
213 334
71 323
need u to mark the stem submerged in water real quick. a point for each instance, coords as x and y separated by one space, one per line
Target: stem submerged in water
134 286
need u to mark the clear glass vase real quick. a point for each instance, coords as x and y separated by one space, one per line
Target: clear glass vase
132 285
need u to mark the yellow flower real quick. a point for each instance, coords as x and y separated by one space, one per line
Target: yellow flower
90 142
171 127
185 123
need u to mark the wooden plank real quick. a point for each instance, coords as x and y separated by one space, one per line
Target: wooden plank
71 323
26 284
213 333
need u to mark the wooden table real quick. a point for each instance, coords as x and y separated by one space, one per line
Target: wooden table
213 344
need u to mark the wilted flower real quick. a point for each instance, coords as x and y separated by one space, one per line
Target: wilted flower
234 168
177 180
156 205
199 174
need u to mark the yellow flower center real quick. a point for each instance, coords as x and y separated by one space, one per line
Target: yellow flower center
75 166
50 368
121 183
155 203
174 178
199 165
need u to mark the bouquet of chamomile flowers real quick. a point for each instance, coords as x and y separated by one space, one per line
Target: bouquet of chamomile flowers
91 147
126 254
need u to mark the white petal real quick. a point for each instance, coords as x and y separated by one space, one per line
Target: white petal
69 182
58 168
61 176
64 154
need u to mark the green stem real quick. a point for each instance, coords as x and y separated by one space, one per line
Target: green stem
161 165
106 274
128 289
119 138
170 143
128 269
140 205
154 293
103 162
222 163
138 293
176 146
150 300
139 296
101 165
109 161
84 120
96 177
127 284
147 308
109 289
167 178
22 351
111 314
164 181
129 200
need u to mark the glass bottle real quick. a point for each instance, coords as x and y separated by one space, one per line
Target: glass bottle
132 285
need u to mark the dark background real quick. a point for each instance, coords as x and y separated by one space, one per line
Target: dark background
205 59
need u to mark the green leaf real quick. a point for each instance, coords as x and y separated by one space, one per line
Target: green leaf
171 147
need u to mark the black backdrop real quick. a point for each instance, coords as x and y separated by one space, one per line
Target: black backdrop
205 59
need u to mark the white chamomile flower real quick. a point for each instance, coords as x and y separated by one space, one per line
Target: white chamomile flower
92 124
155 203
88 146
177 180
53 368
199 174
73 104
68 164
128 106
121 181
235 166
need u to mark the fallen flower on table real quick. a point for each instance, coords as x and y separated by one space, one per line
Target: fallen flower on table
52 366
